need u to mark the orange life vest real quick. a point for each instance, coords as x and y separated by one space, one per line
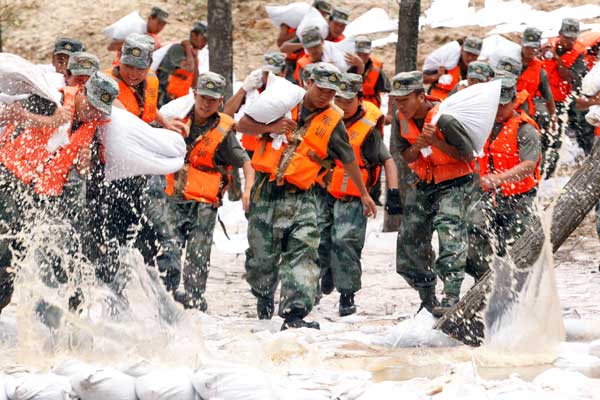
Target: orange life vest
561 88
302 169
201 179
370 82
589 39
530 81
27 156
439 166
597 131
522 98
249 142
336 40
442 91
128 99
301 64
180 83
341 185
297 54
502 154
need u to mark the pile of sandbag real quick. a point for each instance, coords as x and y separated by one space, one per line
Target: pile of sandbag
496 47
33 386
131 23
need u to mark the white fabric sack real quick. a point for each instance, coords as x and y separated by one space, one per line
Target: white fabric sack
159 55
333 55
290 14
19 76
38 387
593 116
131 23
590 85
475 108
72 367
446 56
236 384
104 384
276 101
166 384
373 21
179 107
252 96
495 47
3 382
313 18
203 60
133 148
348 45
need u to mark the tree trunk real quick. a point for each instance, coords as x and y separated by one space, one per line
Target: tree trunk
406 60
1 37
464 321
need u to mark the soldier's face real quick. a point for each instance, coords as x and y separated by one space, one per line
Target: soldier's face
132 75
319 97
60 62
77 80
473 81
206 106
316 53
348 106
528 54
84 110
468 58
336 29
505 111
155 25
566 43
198 40
409 104
363 56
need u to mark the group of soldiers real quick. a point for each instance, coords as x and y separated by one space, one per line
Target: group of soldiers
310 177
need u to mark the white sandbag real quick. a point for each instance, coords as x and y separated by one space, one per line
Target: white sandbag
236 384
179 107
159 55
496 47
104 384
415 332
333 55
475 108
313 18
290 15
203 61
3 382
446 56
348 45
590 85
373 21
593 116
38 387
19 76
133 148
166 384
276 101
131 23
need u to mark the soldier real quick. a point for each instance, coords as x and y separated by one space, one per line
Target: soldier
196 191
342 223
254 84
313 46
375 81
509 67
282 225
337 24
439 196
177 70
63 48
478 72
471 48
564 61
81 66
510 173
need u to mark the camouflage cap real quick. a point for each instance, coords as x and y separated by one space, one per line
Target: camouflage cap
406 83
509 88
350 86
532 37
101 91
311 37
200 27
306 73
326 76
363 45
323 6
211 84
159 13
340 15
137 50
67 46
83 64
511 65
569 28
472 45
273 61
479 70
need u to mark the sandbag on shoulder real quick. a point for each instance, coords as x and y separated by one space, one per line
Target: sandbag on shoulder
446 56
276 101
19 76
179 107
104 384
290 15
131 23
496 47
313 18
133 148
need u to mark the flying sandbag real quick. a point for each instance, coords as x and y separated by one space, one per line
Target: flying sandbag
475 108
166 384
276 101
133 148
104 384
446 56
19 76
38 387
496 47
590 85
290 15
313 18
131 23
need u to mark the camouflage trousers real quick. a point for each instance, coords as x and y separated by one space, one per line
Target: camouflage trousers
342 227
193 224
283 238
497 223
441 208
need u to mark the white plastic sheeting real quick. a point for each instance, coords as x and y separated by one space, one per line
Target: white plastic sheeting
375 20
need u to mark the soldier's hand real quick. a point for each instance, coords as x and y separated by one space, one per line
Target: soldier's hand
429 133
177 125
421 142
355 61
489 182
246 201
369 207
283 126
393 203
61 116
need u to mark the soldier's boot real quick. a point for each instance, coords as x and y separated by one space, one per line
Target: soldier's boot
428 299
195 301
265 307
447 303
347 306
327 285
294 320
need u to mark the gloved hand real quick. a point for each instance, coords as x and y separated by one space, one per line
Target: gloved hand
253 81
445 79
393 204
